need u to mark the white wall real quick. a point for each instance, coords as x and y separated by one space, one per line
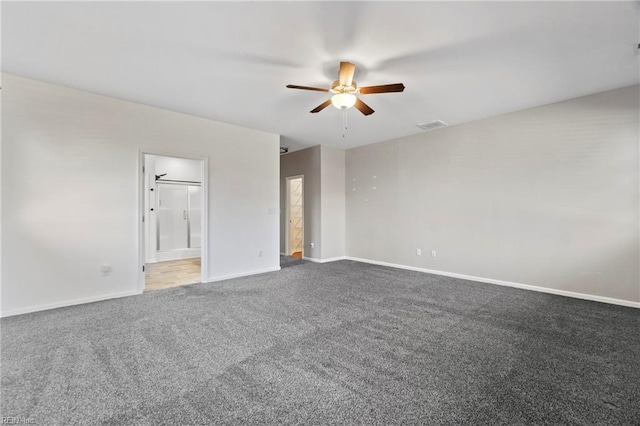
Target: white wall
183 169
1 210
332 175
546 197
70 192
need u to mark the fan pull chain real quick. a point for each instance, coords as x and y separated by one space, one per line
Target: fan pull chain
344 122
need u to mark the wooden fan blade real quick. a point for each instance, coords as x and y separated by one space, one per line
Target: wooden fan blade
363 108
321 107
346 73
317 89
385 88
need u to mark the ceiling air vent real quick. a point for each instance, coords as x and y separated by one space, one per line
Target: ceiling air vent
432 125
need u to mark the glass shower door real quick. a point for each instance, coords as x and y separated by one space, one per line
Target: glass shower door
173 216
195 216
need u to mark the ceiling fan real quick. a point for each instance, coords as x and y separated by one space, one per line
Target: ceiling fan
345 90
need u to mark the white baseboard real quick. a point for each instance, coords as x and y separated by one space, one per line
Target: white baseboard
329 259
283 254
48 306
165 256
243 274
584 296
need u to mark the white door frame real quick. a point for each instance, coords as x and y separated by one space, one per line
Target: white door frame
286 216
143 215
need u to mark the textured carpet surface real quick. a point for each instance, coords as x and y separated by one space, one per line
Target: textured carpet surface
287 261
337 343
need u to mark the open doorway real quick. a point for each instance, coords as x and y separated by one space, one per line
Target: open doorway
295 216
173 221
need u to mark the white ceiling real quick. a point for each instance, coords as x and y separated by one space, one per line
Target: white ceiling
231 61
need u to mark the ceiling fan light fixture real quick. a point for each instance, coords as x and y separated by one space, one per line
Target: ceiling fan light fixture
343 100
345 89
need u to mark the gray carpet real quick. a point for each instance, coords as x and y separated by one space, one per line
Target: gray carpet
288 261
337 343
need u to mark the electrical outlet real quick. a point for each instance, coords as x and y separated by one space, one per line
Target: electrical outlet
105 270
433 253
418 252
312 245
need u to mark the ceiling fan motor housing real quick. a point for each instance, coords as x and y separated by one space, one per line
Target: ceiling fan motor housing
337 87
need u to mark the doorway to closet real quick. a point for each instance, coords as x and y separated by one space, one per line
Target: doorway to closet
295 216
174 200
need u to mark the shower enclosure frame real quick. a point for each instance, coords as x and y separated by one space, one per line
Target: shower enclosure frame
188 211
